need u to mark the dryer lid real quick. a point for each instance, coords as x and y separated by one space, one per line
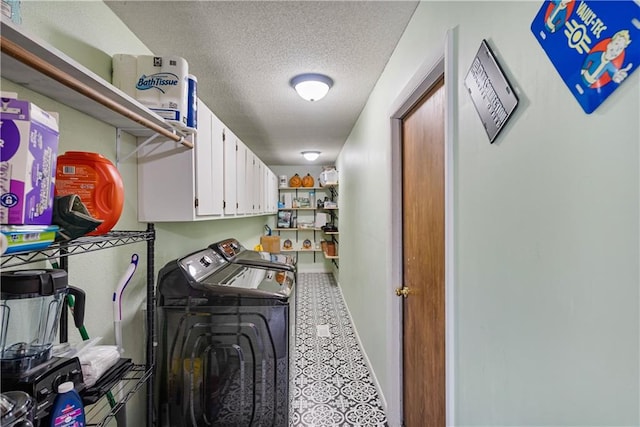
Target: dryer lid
208 272
250 281
233 251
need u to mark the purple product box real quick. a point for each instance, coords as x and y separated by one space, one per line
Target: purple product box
28 154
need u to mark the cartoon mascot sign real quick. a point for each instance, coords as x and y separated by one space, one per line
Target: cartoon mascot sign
594 45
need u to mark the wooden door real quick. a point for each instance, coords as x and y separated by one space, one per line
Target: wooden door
423 261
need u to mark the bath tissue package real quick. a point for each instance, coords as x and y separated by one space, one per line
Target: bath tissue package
161 83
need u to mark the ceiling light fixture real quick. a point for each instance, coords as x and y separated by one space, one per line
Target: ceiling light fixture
311 155
311 87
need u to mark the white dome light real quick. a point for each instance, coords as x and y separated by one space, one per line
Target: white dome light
311 87
311 155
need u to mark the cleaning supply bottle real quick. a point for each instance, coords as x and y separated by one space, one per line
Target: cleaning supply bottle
68 410
96 181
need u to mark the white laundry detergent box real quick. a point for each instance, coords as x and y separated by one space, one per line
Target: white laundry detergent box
28 154
158 82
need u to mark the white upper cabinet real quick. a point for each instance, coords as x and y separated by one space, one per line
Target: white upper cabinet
269 191
178 184
219 178
251 180
264 190
209 163
218 131
241 178
256 185
230 171
166 182
259 186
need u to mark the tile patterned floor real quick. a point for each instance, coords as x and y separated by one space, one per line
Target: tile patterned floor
331 384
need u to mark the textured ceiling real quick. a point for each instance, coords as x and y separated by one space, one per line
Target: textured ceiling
244 53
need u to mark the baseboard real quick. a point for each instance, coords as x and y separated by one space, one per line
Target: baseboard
383 400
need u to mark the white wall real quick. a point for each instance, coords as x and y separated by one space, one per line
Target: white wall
546 232
89 33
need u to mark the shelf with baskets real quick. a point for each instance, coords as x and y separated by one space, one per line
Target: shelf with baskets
304 210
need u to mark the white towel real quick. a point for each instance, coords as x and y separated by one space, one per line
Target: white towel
96 361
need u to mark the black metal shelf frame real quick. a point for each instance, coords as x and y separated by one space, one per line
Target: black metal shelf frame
139 374
333 191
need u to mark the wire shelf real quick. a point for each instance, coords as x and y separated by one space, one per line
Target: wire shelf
80 245
101 412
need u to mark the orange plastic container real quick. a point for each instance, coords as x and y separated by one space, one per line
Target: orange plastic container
98 183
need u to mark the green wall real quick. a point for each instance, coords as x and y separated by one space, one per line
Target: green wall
546 262
89 33
546 326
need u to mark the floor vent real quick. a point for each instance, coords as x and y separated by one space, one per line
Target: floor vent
323 331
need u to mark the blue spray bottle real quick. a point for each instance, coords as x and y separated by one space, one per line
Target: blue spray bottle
68 410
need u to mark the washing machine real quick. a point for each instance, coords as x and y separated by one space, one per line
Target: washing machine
233 251
224 342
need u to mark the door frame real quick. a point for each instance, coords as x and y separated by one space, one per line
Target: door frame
424 78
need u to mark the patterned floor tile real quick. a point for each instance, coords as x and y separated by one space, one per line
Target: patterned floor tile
331 384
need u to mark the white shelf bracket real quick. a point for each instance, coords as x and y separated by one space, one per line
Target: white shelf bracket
138 148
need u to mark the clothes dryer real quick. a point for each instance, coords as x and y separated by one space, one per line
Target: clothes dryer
233 251
224 343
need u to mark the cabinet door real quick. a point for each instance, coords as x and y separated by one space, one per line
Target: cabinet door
230 171
257 186
274 196
250 193
241 178
271 195
217 129
264 187
166 182
209 161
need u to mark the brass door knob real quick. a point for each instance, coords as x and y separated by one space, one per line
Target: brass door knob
402 292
